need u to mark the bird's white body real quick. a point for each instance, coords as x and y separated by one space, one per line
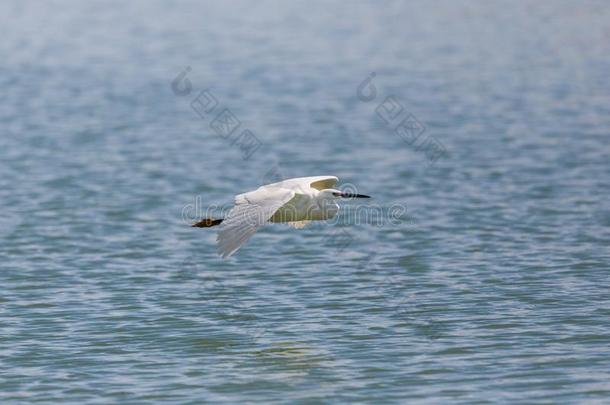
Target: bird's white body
294 201
305 205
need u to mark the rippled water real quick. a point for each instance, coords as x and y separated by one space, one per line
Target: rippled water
492 285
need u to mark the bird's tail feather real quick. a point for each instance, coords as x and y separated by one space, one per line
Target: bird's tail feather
207 222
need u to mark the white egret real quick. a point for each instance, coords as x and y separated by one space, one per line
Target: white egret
293 201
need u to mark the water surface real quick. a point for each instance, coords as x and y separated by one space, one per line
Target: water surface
491 285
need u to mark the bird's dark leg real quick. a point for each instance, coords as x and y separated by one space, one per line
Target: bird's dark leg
207 222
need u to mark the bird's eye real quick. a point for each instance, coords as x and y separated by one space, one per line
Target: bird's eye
336 194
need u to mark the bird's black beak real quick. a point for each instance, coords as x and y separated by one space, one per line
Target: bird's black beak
351 195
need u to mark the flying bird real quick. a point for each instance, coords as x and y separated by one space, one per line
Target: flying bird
293 201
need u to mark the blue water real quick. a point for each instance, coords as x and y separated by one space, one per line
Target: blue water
477 273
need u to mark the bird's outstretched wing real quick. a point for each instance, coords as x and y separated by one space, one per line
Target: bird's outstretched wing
322 182
247 216
299 183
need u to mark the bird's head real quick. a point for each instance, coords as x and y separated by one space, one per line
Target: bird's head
331 193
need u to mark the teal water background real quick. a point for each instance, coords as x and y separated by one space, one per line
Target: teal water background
478 274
